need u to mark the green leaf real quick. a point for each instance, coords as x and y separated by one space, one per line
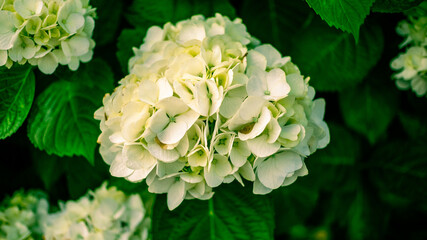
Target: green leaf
347 15
369 110
413 125
233 213
128 39
62 121
394 6
332 59
399 171
81 176
108 19
17 86
144 13
49 167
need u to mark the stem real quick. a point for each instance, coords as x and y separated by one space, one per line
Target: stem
212 218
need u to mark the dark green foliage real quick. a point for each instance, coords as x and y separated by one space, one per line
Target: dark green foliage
233 213
62 121
369 183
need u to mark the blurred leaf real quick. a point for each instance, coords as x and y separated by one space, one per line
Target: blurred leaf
332 59
399 170
49 167
82 176
144 13
276 22
17 86
62 121
108 19
233 213
294 204
343 14
369 110
414 126
128 39
394 6
343 149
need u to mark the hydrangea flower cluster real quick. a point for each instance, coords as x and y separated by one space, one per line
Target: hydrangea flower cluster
106 213
22 215
412 64
46 33
206 104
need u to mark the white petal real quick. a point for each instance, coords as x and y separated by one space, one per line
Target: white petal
271 54
158 121
256 59
257 84
3 57
140 174
48 63
174 132
259 126
212 179
137 157
273 171
28 8
191 177
247 172
222 166
176 194
165 89
261 148
118 167
259 188
78 45
148 92
160 186
277 85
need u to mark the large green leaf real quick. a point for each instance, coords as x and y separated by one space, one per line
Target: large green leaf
368 109
17 87
393 6
144 13
233 213
347 15
62 122
332 59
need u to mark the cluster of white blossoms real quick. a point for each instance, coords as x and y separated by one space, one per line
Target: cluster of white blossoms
205 104
21 216
412 64
46 33
106 213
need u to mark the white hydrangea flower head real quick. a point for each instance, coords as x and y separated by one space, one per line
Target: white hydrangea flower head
411 66
206 104
46 33
22 216
106 213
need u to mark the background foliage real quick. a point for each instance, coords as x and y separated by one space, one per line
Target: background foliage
369 183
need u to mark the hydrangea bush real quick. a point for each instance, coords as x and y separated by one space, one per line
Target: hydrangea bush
106 213
220 104
22 215
412 64
206 104
46 33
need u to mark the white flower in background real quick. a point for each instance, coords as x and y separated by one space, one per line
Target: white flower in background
200 109
411 66
46 33
22 216
106 213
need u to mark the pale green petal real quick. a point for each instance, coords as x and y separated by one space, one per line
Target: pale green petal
259 126
78 45
166 169
239 153
256 59
176 194
140 174
221 165
3 57
257 84
28 8
118 167
160 186
148 92
191 177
